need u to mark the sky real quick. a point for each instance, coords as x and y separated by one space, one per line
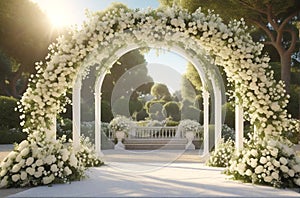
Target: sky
162 68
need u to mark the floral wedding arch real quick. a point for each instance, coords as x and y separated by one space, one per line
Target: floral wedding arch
41 159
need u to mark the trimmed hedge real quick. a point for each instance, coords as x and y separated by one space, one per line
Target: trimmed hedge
9 118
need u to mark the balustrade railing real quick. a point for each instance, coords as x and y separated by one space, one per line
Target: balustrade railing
155 133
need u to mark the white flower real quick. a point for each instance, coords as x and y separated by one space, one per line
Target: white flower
30 170
25 152
259 169
67 170
54 168
253 152
284 168
276 163
48 179
23 175
29 161
23 144
15 168
50 159
39 162
268 179
38 174
12 155
263 160
4 182
248 172
283 161
291 173
15 177
297 181
275 175
73 160
3 172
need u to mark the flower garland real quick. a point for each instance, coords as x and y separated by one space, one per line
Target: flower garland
263 99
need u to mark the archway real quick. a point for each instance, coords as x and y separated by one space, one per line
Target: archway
257 93
207 72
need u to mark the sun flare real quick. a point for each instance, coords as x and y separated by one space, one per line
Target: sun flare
56 11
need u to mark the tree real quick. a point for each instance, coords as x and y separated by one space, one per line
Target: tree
25 34
161 92
135 80
274 17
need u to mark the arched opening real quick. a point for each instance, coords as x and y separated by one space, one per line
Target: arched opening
208 73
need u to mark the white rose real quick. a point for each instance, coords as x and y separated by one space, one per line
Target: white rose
73 160
15 177
3 172
30 171
283 161
274 152
12 155
254 152
284 168
15 168
39 162
268 179
29 161
49 179
291 173
259 169
67 170
263 160
38 174
276 163
22 145
54 168
275 175
25 152
23 175
4 182
248 172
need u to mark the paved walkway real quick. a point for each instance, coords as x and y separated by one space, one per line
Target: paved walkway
152 174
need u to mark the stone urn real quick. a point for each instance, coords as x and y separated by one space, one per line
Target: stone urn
189 135
120 135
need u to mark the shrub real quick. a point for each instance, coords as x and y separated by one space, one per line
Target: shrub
221 156
106 114
9 118
11 136
171 110
229 113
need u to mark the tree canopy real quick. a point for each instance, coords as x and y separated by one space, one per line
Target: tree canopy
275 19
25 34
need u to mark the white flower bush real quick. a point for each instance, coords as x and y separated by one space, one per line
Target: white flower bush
268 162
121 123
189 125
222 155
263 99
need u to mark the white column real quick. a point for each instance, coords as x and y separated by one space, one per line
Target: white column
50 132
76 97
218 115
205 96
98 132
239 125
98 121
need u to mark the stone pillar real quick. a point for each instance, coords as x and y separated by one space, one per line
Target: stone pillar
76 97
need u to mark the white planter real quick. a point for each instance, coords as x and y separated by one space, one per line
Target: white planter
120 135
189 135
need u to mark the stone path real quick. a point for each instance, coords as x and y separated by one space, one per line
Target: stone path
152 174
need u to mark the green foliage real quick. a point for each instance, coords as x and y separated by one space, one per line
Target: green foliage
64 127
9 118
141 115
106 114
11 136
191 113
171 123
294 104
229 113
171 110
188 91
161 92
